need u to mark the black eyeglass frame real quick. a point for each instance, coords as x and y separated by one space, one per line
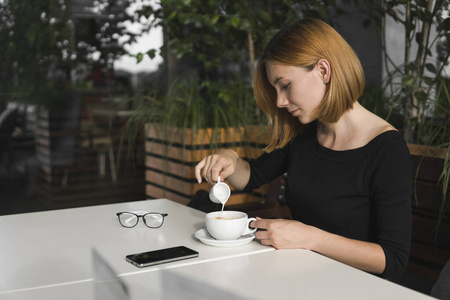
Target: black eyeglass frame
143 219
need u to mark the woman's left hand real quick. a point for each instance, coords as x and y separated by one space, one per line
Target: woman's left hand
284 234
290 234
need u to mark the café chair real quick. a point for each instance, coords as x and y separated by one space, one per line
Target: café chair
441 289
64 143
8 121
100 138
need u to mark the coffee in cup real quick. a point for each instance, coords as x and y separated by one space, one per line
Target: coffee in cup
228 225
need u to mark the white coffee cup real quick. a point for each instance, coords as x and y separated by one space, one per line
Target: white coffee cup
228 225
220 192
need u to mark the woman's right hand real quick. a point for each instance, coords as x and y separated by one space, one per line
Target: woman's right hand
222 163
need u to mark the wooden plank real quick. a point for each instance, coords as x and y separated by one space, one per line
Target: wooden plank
430 151
259 134
170 170
170 167
184 187
428 197
427 168
181 186
179 169
423 271
188 137
187 155
432 254
423 229
154 192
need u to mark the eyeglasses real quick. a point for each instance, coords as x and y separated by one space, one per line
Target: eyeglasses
151 219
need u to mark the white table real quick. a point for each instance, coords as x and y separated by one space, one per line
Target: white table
54 247
281 274
50 258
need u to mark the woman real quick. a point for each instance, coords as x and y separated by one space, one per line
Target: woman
349 171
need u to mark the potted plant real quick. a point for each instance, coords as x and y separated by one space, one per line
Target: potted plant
194 119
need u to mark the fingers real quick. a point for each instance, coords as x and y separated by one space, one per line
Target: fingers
267 232
262 234
198 168
213 166
210 172
260 223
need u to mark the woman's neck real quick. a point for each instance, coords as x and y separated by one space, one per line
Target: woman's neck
352 130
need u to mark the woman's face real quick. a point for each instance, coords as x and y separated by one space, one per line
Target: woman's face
298 90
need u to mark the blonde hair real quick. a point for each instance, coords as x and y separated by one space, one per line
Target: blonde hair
303 44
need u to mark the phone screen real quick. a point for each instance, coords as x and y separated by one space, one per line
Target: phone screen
161 256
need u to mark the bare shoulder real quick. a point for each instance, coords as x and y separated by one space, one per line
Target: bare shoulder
380 126
373 126
376 127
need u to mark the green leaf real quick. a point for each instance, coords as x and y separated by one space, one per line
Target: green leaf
446 24
139 57
408 80
245 23
431 68
411 67
172 15
151 53
215 19
421 3
428 80
421 96
419 38
235 21
265 16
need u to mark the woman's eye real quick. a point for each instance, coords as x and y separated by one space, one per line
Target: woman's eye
285 87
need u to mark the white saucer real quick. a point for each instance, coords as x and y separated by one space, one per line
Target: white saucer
205 238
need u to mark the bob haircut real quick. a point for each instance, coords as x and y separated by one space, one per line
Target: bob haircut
303 44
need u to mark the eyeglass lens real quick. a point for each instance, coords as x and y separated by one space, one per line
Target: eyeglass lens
153 220
128 219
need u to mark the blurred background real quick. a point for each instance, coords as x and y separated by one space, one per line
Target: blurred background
67 67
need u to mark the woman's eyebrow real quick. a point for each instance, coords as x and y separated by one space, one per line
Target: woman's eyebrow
277 79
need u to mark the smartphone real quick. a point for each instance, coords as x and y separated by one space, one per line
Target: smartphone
161 256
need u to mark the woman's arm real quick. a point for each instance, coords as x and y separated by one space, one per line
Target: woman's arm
228 165
289 234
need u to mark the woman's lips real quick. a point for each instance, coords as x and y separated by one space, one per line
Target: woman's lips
293 112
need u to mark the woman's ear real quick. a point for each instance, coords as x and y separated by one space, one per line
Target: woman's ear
324 70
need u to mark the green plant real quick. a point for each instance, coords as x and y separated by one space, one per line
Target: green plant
194 104
412 83
416 85
441 135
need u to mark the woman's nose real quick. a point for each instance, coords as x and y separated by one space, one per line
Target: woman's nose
282 100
